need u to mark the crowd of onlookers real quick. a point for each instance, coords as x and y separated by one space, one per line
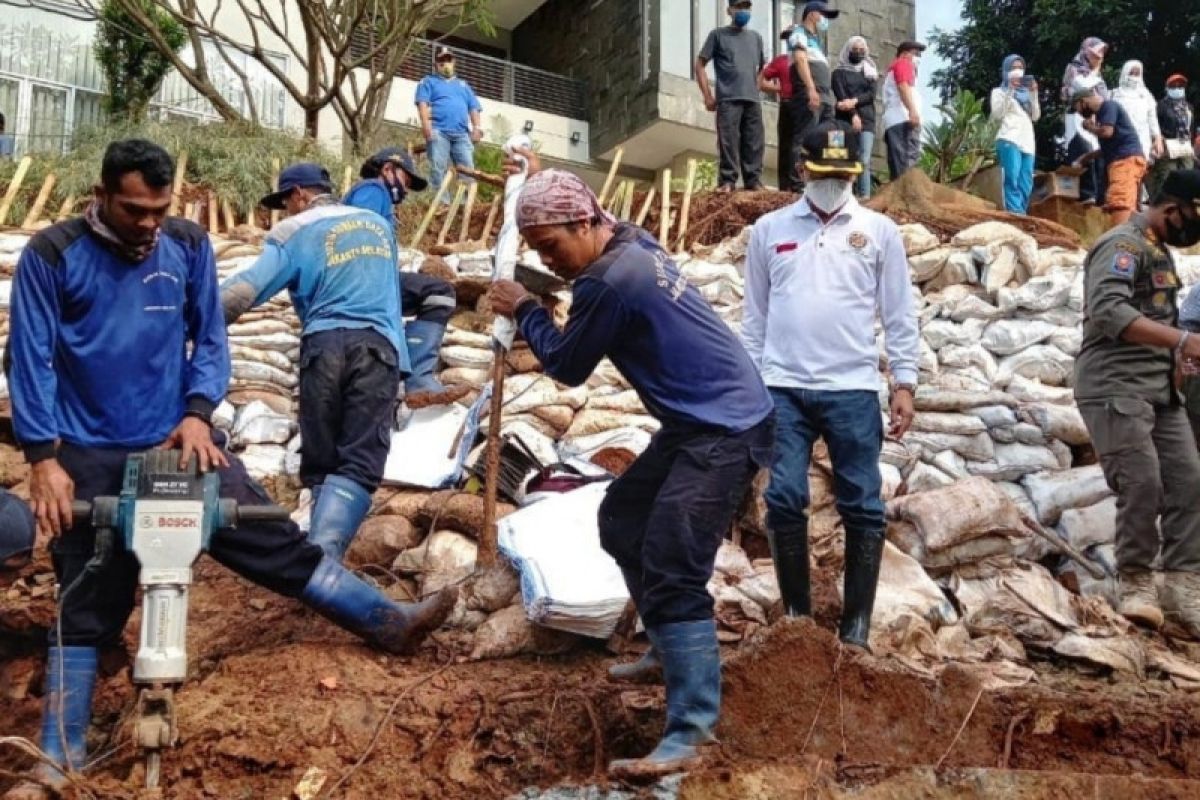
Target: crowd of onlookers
1125 140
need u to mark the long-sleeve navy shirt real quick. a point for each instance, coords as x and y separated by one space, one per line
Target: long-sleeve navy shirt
633 306
98 346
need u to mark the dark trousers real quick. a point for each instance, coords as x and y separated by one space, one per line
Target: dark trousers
852 427
427 298
664 519
802 120
272 554
349 379
1149 458
785 164
903 148
1094 179
740 140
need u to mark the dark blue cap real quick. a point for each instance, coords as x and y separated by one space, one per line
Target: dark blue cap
824 8
400 157
298 176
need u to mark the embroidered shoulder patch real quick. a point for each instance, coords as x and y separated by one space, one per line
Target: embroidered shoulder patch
1123 264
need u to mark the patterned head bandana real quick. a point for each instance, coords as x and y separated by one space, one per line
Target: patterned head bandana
136 253
557 197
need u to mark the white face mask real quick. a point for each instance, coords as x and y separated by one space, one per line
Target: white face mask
1016 74
1132 82
828 194
916 61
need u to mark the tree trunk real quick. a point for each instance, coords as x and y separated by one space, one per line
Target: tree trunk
311 115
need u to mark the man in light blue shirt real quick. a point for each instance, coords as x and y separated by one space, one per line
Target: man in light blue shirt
817 274
450 119
338 263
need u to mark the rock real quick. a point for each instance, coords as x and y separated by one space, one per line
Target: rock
493 589
380 540
444 551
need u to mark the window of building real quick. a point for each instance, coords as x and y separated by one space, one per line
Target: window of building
677 52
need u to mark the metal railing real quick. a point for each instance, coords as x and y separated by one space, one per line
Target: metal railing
495 79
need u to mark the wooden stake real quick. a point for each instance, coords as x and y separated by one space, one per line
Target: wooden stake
472 190
64 211
347 177
433 207
214 214
612 174
687 203
35 210
451 214
627 206
488 545
227 212
614 202
649 201
275 188
177 185
251 217
491 220
664 221
14 187
189 211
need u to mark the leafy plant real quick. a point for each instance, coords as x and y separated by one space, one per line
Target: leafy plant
133 67
962 143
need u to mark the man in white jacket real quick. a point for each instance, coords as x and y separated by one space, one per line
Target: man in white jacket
817 274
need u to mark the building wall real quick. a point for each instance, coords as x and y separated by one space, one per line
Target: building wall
606 44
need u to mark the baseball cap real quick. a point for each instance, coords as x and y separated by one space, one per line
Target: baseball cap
832 148
296 176
1183 184
1177 78
824 8
443 53
400 157
910 45
17 526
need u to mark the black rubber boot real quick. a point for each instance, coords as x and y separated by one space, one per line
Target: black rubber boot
864 553
789 549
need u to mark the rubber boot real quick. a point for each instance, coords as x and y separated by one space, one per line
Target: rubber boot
1139 599
691 662
647 669
1181 595
340 596
789 550
864 554
78 671
339 507
424 339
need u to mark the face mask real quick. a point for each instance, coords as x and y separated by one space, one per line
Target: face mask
856 58
1132 82
396 190
1016 74
741 18
828 194
823 24
916 61
1185 236
1176 94
446 70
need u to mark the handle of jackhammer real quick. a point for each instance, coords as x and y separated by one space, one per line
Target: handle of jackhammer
81 509
270 513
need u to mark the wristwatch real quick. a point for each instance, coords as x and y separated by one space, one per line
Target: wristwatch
911 388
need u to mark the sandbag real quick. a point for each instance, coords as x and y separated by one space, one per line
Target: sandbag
256 423
625 402
1007 336
1068 339
994 235
1042 363
969 356
1092 525
959 268
1000 266
917 239
892 479
264 460
975 308
926 266
929 399
258 327
994 416
1014 461
701 273
942 332
464 376
978 447
380 540
952 464
904 587
272 358
1039 294
264 373
1026 433
1061 422
589 421
445 551
1019 496
470 357
1054 492
1062 317
634 440
925 477
466 338
457 511
939 422
1034 391
969 380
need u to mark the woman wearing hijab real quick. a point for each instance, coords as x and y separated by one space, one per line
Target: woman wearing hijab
854 82
1175 119
1140 105
1084 72
1015 106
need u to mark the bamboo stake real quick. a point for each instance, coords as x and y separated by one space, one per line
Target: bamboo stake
35 210
433 207
189 211
227 212
451 214
275 188
251 217
618 197
214 214
687 203
627 206
347 177
612 174
64 211
472 191
664 221
177 184
491 220
649 201
14 187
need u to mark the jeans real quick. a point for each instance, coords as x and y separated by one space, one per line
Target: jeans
866 147
851 424
1018 176
442 148
903 148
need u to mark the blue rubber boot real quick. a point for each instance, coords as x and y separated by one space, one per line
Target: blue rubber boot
340 596
647 669
691 664
424 339
339 507
78 671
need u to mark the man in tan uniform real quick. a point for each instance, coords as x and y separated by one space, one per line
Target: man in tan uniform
1124 385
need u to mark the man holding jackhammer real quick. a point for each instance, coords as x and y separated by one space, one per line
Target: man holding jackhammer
664 518
104 311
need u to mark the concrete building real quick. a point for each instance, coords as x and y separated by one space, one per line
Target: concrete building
582 77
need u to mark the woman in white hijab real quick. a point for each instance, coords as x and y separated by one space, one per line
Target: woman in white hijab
1142 108
854 82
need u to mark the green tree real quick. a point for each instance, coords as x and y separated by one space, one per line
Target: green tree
133 66
1048 33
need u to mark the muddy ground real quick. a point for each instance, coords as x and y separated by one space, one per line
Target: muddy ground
277 690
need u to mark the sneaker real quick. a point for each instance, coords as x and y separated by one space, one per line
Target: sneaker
1139 599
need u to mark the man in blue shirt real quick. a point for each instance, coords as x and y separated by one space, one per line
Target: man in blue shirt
387 178
1120 147
665 517
118 345
450 119
338 263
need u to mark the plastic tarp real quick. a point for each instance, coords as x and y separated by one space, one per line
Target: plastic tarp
442 437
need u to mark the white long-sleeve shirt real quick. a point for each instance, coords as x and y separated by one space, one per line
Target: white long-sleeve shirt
812 295
1016 124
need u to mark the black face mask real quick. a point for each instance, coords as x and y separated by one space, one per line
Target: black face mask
1086 112
396 189
856 58
1185 235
